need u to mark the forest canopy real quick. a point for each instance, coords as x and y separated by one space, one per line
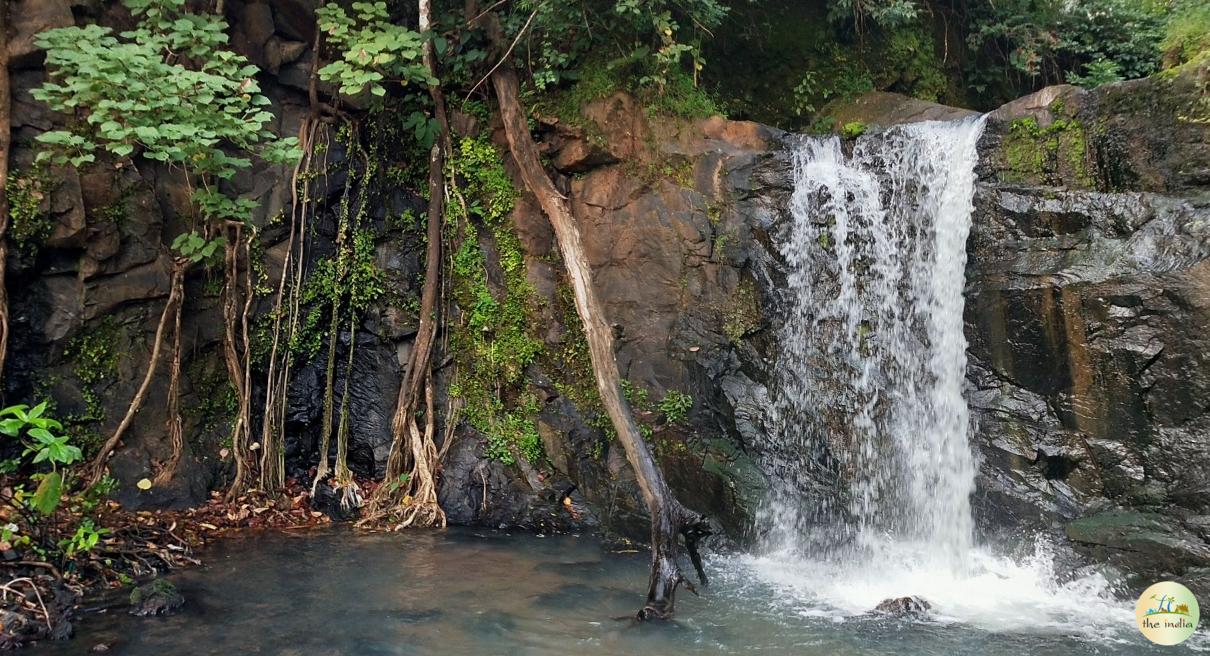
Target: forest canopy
782 61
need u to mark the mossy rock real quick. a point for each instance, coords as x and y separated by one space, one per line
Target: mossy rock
159 597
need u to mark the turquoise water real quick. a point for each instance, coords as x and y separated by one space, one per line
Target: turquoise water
335 593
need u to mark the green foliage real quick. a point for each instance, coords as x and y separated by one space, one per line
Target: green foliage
196 248
29 225
93 356
1187 33
39 434
1096 73
49 493
741 314
515 428
1090 41
889 14
489 190
678 95
374 51
349 280
166 89
843 79
666 33
638 397
1054 154
853 130
85 538
95 494
676 406
493 342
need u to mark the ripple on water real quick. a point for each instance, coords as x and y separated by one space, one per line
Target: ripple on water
338 594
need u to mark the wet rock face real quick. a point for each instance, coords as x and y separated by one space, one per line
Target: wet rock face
1088 290
666 214
87 295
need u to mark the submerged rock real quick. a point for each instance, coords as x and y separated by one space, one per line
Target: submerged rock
904 607
158 597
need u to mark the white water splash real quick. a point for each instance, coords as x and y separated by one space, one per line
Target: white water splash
874 355
870 458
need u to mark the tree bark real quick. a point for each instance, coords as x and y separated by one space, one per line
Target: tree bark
414 453
668 516
5 141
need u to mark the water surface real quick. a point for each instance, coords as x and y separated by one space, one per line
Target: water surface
335 593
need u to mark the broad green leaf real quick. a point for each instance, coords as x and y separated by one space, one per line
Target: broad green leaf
11 427
50 490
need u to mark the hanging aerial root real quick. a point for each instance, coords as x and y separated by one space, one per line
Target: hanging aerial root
241 433
93 472
408 494
173 421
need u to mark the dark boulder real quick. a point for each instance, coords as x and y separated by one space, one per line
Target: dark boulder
910 607
158 597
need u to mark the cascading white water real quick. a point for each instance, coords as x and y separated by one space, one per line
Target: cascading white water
874 356
869 455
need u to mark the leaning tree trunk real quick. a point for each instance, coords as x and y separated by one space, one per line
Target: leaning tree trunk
668 516
5 140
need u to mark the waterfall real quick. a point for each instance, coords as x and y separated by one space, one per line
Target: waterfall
869 449
873 355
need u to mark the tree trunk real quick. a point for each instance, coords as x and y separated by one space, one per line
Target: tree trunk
414 453
5 140
668 516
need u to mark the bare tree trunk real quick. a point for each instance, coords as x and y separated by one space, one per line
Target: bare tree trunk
410 445
175 297
5 141
668 516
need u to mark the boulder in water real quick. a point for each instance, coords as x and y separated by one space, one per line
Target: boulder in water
904 607
156 598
